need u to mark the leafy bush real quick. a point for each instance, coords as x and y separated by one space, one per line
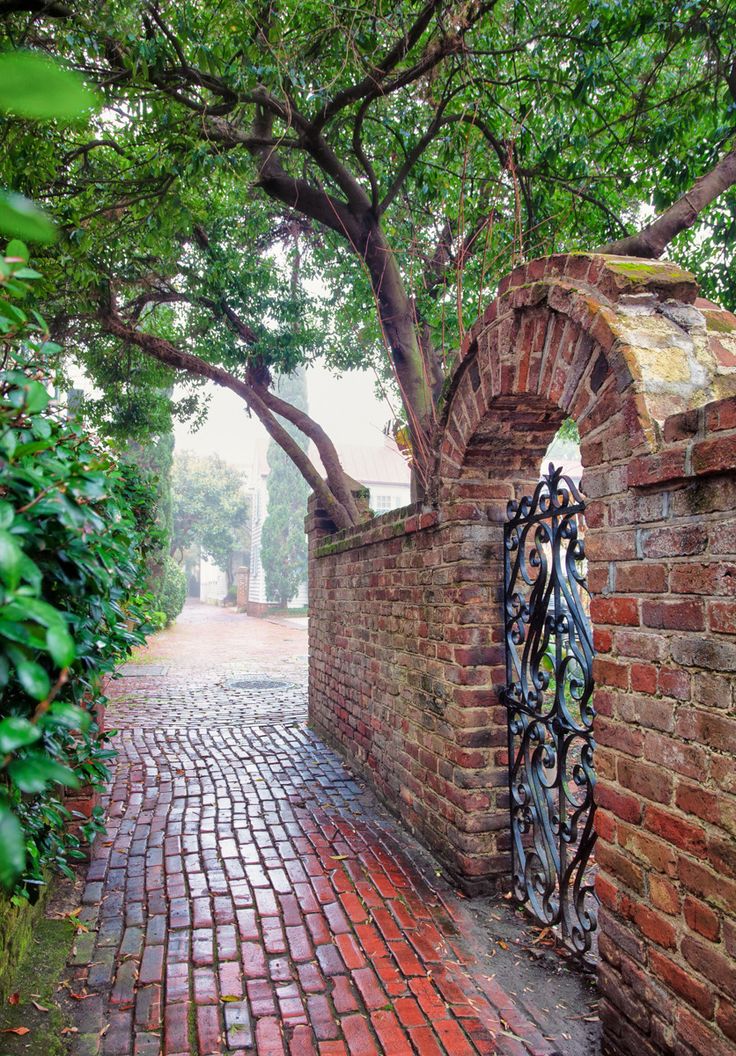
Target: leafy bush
173 591
75 527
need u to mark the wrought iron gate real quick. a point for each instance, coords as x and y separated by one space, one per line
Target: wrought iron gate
549 697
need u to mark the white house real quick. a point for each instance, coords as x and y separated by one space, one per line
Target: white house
382 469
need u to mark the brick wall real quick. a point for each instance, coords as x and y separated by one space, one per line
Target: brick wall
406 634
665 619
397 621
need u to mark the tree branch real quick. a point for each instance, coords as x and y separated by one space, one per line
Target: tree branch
162 350
436 125
92 145
327 451
370 85
652 240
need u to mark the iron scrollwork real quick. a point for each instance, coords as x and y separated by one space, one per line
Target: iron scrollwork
549 697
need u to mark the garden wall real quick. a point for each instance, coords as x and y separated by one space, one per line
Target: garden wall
406 635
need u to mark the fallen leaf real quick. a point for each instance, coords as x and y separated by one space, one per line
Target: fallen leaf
16 1030
339 857
13 999
230 997
39 1008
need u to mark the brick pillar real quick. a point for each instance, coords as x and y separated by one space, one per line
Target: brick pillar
242 583
665 557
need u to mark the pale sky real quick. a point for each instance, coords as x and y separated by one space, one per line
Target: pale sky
347 408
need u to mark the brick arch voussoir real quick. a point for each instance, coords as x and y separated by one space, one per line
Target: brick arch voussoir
552 338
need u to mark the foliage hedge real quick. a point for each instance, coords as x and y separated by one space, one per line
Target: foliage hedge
76 525
172 593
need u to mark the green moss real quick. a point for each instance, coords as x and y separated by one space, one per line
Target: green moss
643 271
192 1027
447 385
37 978
715 321
16 927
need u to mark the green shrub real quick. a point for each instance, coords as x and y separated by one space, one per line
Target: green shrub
173 591
75 528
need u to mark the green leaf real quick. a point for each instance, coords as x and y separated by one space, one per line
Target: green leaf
12 848
16 248
19 216
11 559
17 733
42 428
69 715
37 399
61 646
31 573
34 86
33 678
6 514
33 772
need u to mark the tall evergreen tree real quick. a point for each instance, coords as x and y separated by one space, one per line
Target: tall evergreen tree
283 542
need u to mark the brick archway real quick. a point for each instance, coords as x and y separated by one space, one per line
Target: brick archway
620 346
589 337
406 629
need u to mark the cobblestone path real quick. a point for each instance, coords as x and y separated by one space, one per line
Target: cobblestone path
250 895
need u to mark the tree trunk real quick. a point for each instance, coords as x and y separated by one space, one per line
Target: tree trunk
398 324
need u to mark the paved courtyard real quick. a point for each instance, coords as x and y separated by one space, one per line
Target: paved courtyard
250 894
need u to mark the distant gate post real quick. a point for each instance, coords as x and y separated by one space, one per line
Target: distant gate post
242 585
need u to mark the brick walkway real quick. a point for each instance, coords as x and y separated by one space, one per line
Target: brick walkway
250 894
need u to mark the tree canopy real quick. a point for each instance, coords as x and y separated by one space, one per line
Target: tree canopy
210 508
411 152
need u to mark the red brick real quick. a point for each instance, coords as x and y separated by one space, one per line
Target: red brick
269 1040
711 455
359 1038
644 678
726 1018
710 962
322 1021
390 1033
651 924
686 615
370 989
697 993
646 780
673 682
681 541
615 611
209 1031
676 830
722 616
692 1031
701 918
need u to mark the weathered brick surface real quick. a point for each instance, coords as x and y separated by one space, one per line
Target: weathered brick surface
407 641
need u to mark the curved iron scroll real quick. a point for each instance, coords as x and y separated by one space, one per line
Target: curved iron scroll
549 697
